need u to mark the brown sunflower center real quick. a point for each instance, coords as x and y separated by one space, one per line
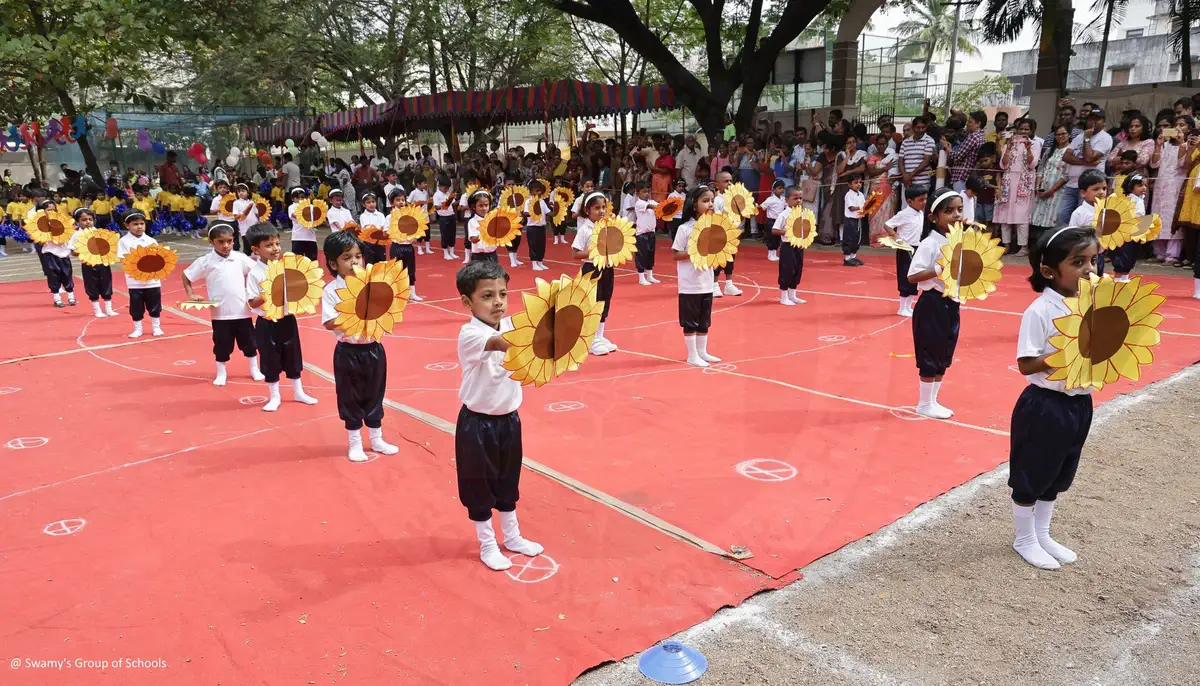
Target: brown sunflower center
1102 332
967 266
51 226
1110 221
670 207
408 225
295 283
611 240
801 228
543 337
498 227
98 246
262 209
712 240
374 300
310 214
568 324
148 264
738 204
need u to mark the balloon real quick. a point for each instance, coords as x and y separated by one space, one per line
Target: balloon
143 140
232 160
235 150
158 148
289 143
110 127
316 136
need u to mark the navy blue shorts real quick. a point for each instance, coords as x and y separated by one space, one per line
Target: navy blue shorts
935 332
1046 439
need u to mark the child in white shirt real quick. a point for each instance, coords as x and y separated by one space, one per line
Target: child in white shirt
304 240
144 296
695 285
246 214
372 217
223 272
443 200
536 213
419 197
680 192
479 204
774 206
56 263
592 208
97 279
791 258
359 362
852 225
487 436
645 223
1092 188
907 225
338 215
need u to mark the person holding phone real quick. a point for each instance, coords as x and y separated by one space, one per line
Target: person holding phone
1189 213
1088 151
1168 158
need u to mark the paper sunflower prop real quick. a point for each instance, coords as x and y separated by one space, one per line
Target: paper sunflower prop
1148 228
801 227
375 235
1108 334
1116 221
714 240
873 203
293 286
97 247
895 244
471 188
739 201
261 205
226 205
408 224
311 213
500 226
546 186
668 209
50 227
351 227
560 203
970 263
553 334
613 242
148 262
608 208
535 208
373 301
514 198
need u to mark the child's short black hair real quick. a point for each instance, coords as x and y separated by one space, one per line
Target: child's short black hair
443 181
468 277
536 187
974 183
1130 155
640 186
335 245
261 233
189 191
854 177
1131 182
219 228
693 197
1091 177
987 150
420 179
1052 248
913 192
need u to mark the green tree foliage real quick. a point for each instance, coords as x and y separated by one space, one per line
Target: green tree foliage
931 28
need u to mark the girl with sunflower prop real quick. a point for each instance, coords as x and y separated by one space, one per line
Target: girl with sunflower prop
592 208
512 198
561 202
97 250
1134 221
306 215
373 231
359 360
794 228
695 284
145 263
935 317
406 226
487 437
489 228
536 213
52 230
1051 419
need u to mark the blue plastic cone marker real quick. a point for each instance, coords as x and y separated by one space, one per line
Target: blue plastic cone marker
672 663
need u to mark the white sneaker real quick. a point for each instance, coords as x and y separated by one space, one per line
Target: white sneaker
598 347
785 300
612 347
717 289
905 312
651 279
772 256
934 411
642 281
416 298
731 289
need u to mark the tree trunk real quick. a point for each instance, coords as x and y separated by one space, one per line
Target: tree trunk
1185 56
1108 15
85 146
711 118
38 174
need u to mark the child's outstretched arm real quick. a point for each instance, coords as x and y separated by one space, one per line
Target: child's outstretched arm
495 343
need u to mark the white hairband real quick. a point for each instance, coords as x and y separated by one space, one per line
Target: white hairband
588 198
1058 233
943 196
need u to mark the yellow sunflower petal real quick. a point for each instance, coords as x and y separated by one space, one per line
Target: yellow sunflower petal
1142 335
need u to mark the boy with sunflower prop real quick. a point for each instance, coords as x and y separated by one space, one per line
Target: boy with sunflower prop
97 251
145 264
487 436
52 230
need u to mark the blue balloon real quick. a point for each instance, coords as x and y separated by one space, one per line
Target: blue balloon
159 148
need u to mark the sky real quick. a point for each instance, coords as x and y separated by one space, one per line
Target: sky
883 23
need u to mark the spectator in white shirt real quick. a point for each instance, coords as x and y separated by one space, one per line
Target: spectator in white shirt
1088 150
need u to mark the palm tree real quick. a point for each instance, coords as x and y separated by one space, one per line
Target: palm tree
1109 11
1183 14
930 30
1003 21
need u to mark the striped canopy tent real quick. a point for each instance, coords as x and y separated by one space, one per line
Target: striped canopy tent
461 111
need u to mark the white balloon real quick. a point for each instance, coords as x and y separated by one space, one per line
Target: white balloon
235 151
316 136
232 160
323 145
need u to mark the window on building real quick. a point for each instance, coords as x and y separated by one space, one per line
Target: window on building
1177 71
1135 33
1120 77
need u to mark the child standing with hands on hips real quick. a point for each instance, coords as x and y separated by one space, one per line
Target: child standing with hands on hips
1050 424
359 362
935 317
695 285
487 436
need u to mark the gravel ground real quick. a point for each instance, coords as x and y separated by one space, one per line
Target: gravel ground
941 598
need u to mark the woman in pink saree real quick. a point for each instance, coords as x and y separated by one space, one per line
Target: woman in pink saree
1016 195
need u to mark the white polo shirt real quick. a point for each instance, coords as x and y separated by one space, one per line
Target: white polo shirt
541 220
774 206
225 281
486 386
1084 215
299 232
125 246
854 199
253 283
925 258
583 237
473 232
418 197
439 199
338 216
375 218
644 219
908 225
251 218
329 301
691 280
215 208
1037 326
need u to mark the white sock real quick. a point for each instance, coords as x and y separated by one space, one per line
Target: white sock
445 253
1196 289
137 330
926 395
299 394
355 453
97 311
693 357
1026 541
155 327
937 387
785 299
255 372
108 308
71 298
273 402
600 331
57 299
220 380
1043 512
702 349
512 259
512 536
412 294
489 552
642 281
650 276
795 298
378 444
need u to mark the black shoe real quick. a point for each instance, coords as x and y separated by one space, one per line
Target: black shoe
59 303
858 262
72 303
848 263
